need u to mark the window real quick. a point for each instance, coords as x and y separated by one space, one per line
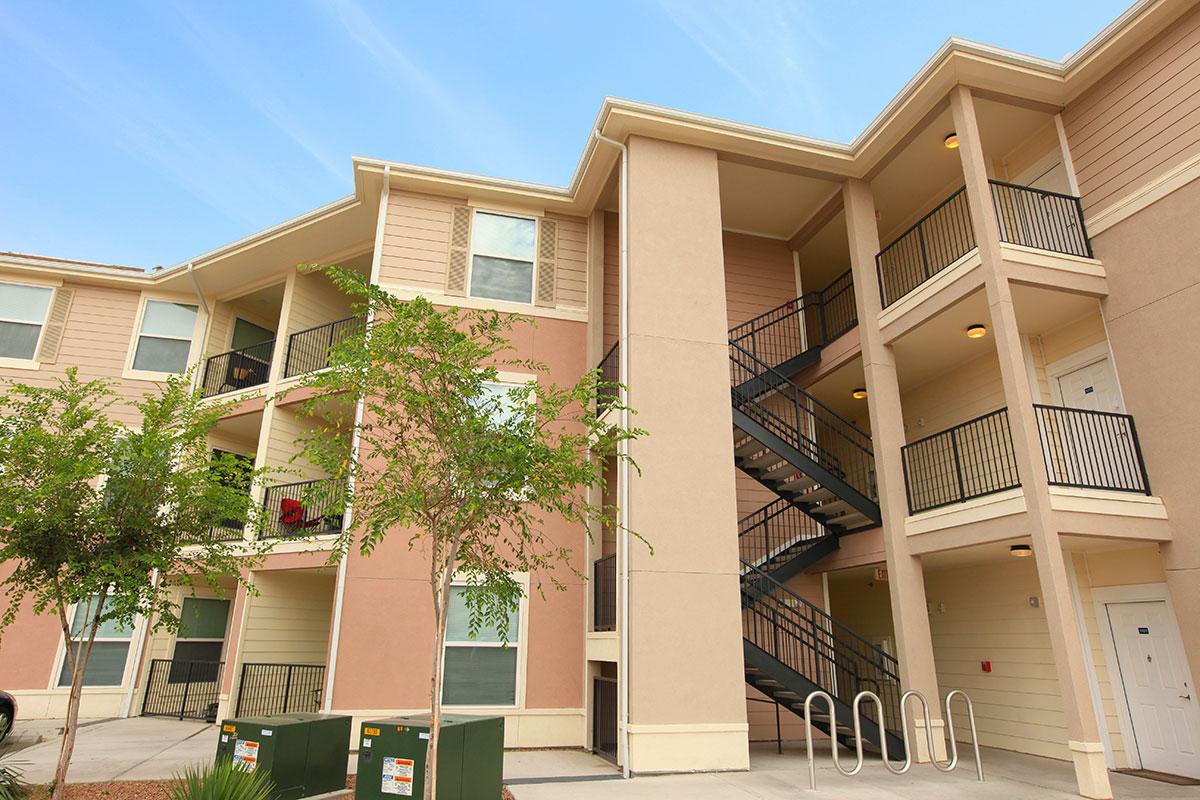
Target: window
106 665
165 339
479 671
498 397
247 334
502 257
23 311
201 637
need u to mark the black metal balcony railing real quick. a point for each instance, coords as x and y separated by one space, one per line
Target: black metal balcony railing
970 460
610 375
1091 449
280 689
237 369
1041 219
838 310
308 350
936 241
304 508
227 532
604 593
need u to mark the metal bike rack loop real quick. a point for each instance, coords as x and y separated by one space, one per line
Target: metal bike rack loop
905 765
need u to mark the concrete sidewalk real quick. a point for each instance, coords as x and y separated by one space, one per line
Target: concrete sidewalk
1009 776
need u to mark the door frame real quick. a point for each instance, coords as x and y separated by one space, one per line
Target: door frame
1134 593
1078 360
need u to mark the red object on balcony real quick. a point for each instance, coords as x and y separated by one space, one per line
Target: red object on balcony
291 512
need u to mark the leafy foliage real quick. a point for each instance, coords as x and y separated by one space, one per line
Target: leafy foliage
470 475
12 781
103 516
221 781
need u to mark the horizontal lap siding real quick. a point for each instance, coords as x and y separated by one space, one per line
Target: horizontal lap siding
571 269
416 240
316 301
286 428
612 279
288 622
1141 120
759 275
96 339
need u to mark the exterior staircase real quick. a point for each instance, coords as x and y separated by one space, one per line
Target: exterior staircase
821 469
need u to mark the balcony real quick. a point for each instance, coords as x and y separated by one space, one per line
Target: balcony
308 350
302 509
1082 449
1028 217
236 370
604 594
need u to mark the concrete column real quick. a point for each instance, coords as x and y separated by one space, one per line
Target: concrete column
1067 641
906 577
687 706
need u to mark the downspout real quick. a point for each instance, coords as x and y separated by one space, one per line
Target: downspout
339 596
623 464
207 320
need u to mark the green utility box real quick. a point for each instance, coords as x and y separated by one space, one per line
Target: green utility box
305 754
391 758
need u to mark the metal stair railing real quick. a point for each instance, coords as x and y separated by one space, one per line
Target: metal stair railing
774 529
804 423
810 642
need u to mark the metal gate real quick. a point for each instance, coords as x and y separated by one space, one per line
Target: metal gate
280 688
604 717
183 689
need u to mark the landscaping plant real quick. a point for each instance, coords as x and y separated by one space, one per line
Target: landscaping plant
12 781
100 519
221 781
465 474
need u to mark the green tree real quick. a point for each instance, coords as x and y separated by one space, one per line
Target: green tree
466 474
105 518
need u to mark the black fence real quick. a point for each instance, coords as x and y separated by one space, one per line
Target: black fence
305 508
604 593
1091 449
237 369
838 310
778 335
604 717
777 528
280 689
940 238
1041 219
183 689
610 376
969 460
308 350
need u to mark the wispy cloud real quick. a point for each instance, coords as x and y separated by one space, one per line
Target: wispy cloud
110 101
233 59
475 128
766 46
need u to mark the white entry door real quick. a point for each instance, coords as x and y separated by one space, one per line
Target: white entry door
1093 387
1163 705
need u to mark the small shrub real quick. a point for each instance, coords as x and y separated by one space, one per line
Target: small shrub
12 775
223 781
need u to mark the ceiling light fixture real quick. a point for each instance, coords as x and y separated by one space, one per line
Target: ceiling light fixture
951 141
976 331
1020 551
859 393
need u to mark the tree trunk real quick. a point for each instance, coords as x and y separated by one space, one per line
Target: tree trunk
442 608
72 722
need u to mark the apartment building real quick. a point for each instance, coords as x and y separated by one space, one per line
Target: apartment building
918 413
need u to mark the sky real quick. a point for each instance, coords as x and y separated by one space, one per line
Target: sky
147 133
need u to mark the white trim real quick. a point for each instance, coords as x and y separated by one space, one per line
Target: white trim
1064 148
1134 593
503 306
533 262
135 335
32 363
1144 196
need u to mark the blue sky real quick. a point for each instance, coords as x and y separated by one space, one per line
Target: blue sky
147 133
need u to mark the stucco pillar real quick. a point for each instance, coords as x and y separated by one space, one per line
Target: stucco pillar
687 705
1067 642
906 577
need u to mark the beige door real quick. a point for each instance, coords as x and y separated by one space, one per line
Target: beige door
1093 387
1163 705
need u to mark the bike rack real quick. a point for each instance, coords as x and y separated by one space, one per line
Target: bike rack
904 766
